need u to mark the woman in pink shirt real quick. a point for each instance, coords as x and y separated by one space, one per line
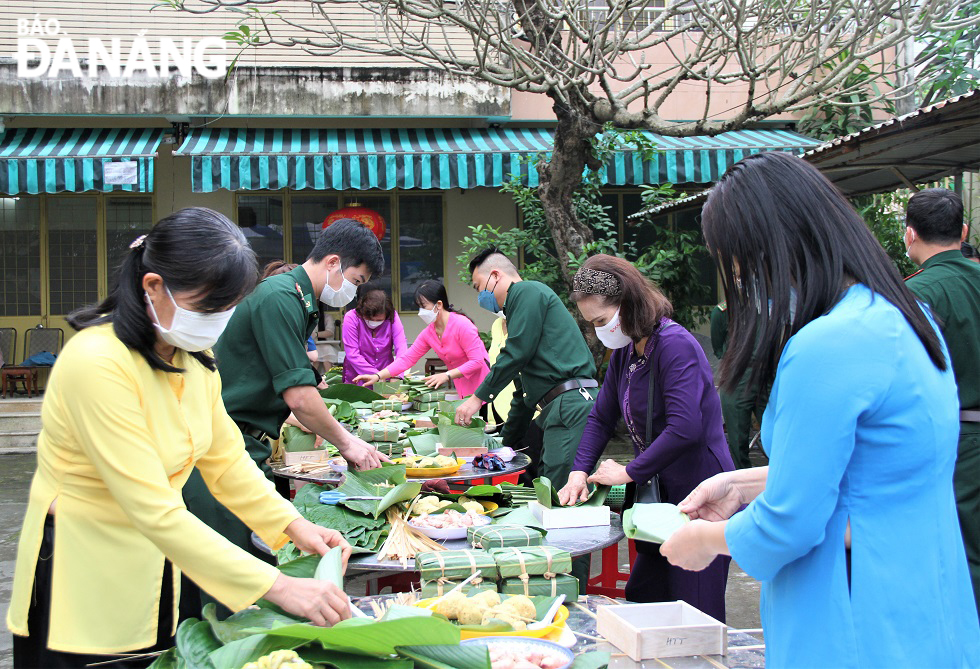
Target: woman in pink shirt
454 338
372 333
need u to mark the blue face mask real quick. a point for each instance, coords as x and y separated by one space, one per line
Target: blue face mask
486 299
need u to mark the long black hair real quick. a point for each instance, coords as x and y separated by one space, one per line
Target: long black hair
433 291
773 223
194 250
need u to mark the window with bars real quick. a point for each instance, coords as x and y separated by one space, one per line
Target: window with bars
72 253
419 220
261 219
20 256
420 244
595 14
126 218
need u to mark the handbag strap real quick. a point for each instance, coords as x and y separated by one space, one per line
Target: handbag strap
651 385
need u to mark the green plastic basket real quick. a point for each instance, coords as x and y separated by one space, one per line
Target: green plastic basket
616 497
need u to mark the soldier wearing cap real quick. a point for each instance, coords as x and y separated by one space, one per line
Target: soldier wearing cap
950 284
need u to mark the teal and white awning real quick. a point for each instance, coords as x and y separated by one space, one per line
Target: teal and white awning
443 158
74 160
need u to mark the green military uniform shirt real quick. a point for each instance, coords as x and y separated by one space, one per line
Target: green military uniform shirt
950 285
544 345
262 352
719 330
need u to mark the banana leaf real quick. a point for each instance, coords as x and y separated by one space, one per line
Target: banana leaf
295 439
653 522
350 393
547 496
378 639
241 652
448 657
344 411
231 628
423 444
364 532
331 659
452 435
195 642
519 515
597 659
368 483
330 568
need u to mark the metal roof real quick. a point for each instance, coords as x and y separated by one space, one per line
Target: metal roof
926 145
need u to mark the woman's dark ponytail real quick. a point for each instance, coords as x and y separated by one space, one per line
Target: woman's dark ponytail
194 249
434 291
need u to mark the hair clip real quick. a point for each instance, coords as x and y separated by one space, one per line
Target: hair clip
138 242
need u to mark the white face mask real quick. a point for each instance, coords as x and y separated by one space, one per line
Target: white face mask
338 297
191 331
611 334
427 315
374 324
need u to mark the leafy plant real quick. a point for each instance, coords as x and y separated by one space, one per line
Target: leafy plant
850 112
672 260
949 62
884 215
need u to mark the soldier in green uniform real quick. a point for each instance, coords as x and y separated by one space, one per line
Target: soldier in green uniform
737 407
265 372
547 354
950 284
545 350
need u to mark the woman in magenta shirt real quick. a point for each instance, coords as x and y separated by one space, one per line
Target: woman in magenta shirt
373 335
451 335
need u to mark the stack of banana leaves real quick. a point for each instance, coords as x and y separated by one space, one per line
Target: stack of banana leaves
402 637
361 521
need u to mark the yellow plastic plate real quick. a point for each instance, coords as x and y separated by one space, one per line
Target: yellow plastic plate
551 632
430 472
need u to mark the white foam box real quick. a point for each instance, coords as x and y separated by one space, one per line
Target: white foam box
296 457
663 629
569 516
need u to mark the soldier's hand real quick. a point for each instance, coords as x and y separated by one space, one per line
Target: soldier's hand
362 455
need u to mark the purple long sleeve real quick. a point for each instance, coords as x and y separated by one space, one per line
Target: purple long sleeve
604 417
681 385
689 443
398 337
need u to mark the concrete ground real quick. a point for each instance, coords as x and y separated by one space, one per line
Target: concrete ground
15 476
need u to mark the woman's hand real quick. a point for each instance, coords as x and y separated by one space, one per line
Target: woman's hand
610 472
321 603
694 546
367 379
576 490
317 540
716 498
437 380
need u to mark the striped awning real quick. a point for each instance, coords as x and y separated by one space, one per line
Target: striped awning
443 158
56 160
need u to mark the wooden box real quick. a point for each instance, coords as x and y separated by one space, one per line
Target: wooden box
569 516
466 453
295 457
664 629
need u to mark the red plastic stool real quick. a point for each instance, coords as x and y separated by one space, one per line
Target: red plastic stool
607 582
506 478
401 582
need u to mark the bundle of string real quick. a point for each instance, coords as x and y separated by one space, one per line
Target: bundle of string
404 542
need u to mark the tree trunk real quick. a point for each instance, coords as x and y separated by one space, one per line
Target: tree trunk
560 177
